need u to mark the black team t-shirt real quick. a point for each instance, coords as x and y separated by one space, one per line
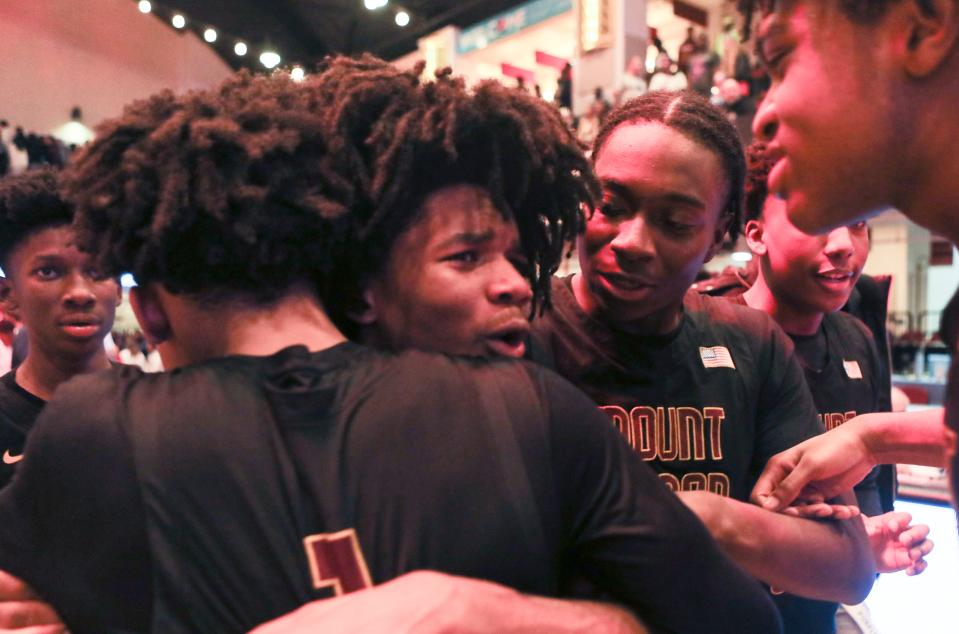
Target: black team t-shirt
844 372
18 411
705 406
230 492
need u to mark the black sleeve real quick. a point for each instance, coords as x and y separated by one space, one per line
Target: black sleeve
868 494
633 538
70 521
786 410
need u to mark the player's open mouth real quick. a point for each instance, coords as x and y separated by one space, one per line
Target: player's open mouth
81 327
509 341
836 279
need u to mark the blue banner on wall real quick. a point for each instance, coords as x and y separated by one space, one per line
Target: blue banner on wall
509 22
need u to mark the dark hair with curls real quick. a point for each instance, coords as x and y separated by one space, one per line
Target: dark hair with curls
859 11
693 116
397 139
29 203
758 165
224 193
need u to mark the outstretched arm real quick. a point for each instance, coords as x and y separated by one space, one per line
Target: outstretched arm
828 560
836 461
423 602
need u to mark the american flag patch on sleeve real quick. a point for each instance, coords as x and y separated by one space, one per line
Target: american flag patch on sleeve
716 357
853 371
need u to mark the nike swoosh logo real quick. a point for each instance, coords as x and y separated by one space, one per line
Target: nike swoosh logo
9 458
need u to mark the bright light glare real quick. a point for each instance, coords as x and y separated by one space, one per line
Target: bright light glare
373 5
402 18
127 281
210 35
178 21
270 59
297 74
741 256
240 49
145 6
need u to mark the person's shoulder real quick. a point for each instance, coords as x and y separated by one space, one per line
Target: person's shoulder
849 325
724 314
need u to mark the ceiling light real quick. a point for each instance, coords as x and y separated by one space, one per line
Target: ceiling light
210 35
145 6
270 59
178 21
297 74
373 5
402 18
240 49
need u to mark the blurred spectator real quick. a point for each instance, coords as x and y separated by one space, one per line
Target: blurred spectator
739 108
728 47
702 66
686 51
600 98
564 87
19 160
634 81
588 125
666 76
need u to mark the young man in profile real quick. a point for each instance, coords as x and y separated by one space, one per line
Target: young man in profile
860 116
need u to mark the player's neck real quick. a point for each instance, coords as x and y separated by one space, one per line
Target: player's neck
793 320
41 375
297 318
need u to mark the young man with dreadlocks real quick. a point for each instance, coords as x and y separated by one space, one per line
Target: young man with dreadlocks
279 463
703 390
861 117
55 290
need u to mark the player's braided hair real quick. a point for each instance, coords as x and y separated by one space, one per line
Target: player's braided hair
29 202
696 118
224 193
759 163
397 139
861 11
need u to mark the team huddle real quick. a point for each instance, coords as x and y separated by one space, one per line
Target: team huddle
372 369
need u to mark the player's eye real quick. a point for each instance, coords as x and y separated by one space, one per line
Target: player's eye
612 210
467 256
46 272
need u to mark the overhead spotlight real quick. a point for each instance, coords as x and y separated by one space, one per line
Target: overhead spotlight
145 6
402 18
210 35
240 49
297 73
270 59
178 21
373 5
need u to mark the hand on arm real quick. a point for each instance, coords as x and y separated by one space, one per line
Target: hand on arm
797 555
839 459
22 611
424 602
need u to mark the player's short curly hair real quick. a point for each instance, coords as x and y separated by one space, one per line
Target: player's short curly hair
397 138
694 117
759 163
860 11
221 193
29 202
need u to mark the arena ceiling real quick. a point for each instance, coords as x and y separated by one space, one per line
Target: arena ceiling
304 31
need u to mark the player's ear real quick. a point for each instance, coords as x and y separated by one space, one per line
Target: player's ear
753 232
930 30
363 309
150 313
719 237
8 298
